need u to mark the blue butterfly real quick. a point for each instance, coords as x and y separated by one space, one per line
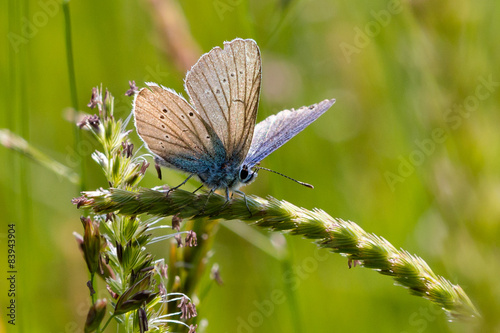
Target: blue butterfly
214 137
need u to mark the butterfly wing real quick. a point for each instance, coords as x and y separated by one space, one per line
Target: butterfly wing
276 130
224 87
173 130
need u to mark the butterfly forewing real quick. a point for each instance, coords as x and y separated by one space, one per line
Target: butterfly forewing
172 129
276 130
224 87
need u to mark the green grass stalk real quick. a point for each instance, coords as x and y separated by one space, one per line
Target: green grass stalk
73 91
18 121
18 144
334 234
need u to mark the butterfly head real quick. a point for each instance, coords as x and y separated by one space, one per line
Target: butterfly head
246 175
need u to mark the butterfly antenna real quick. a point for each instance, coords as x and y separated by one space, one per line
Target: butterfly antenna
295 180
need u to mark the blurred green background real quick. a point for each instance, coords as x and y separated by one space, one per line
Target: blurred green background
410 151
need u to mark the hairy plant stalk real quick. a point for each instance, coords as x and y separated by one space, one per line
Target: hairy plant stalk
17 143
114 246
337 235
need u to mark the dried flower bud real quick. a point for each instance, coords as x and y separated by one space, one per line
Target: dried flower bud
183 306
94 122
188 310
191 239
90 121
82 123
163 290
163 271
80 201
176 222
192 310
128 149
91 287
133 89
95 315
107 99
177 283
144 167
215 275
353 263
178 238
105 269
94 99
111 292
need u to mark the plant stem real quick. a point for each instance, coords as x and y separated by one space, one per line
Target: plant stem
107 323
92 283
291 294
73 91
18 120
17 143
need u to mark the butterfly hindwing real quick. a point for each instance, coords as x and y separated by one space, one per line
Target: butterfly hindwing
224 87
276 130
173 130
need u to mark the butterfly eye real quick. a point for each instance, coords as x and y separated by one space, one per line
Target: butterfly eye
245 175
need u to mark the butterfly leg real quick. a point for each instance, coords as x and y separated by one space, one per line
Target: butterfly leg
246 202
227 200
202 211
184 182
197 189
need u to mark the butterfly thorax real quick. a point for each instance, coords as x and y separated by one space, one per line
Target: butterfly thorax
226 174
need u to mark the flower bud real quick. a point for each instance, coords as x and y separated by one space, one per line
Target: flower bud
143 320
95 315
91 244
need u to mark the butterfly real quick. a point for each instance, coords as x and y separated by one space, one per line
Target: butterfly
214 135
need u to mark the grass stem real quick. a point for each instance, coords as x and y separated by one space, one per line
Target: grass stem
339 236
73 92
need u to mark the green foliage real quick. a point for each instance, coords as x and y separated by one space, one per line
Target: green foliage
408 152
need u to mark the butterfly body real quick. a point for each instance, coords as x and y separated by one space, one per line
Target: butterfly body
223 175
214 136
219 173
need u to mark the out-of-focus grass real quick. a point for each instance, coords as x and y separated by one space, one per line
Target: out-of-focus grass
403 83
